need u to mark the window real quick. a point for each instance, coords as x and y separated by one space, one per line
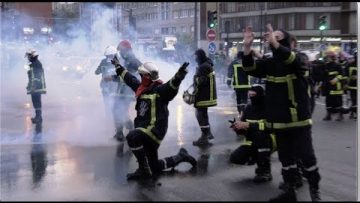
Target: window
300 21
291 22
334 23
192 12
230 7
280 22
165 30
183 28
173 30
192 28
176 14
183 13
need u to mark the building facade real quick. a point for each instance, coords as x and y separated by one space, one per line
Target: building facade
22 20
299 18
156 21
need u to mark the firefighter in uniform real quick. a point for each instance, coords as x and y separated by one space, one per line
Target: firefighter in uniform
333 87
258 144
117 96
351 73
131 62
205 95
36 84
151 122
287 108
240 81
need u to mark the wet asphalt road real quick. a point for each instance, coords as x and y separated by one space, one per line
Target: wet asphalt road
72 156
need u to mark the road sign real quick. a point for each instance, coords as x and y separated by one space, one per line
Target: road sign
322 47
212 48
211 35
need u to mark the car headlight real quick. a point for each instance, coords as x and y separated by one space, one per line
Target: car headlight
65 68
78 68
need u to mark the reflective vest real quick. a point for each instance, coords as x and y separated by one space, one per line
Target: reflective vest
334 71
287 97
115 87
238 77
205 86
36 83
152 105
352 82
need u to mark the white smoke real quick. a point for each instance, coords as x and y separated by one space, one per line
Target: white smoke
70 81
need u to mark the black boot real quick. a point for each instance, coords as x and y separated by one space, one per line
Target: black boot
298 184
289 195
203 140
327 117
313 179
144 170
263 172
262 176
314 194
298 180
37 118
182 156
119 135
353 114
340 117
210 136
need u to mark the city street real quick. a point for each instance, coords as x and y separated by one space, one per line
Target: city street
72 156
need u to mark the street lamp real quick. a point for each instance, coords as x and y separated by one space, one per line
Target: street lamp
261 24
227 30
322 27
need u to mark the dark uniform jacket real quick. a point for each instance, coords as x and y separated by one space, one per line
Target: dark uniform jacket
152 105
205 85
117 86
131 63
333 70
287 99
351 74
36 83
255 115
240 80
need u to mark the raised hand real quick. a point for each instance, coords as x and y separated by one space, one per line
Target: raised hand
182 70
115 61
249 36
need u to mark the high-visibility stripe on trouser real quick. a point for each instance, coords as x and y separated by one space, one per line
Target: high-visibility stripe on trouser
137 148
286 168
148 132
311 168
264 150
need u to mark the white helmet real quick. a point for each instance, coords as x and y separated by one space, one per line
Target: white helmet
31 53
151 69
110 50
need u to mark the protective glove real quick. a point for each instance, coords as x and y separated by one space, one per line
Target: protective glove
118 66
228 82
182 71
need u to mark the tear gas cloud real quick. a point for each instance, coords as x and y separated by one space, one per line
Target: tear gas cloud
69 67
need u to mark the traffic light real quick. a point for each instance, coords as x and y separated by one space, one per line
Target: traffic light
212 16
322 23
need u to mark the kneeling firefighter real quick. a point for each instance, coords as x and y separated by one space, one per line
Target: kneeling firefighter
151 122
259 143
